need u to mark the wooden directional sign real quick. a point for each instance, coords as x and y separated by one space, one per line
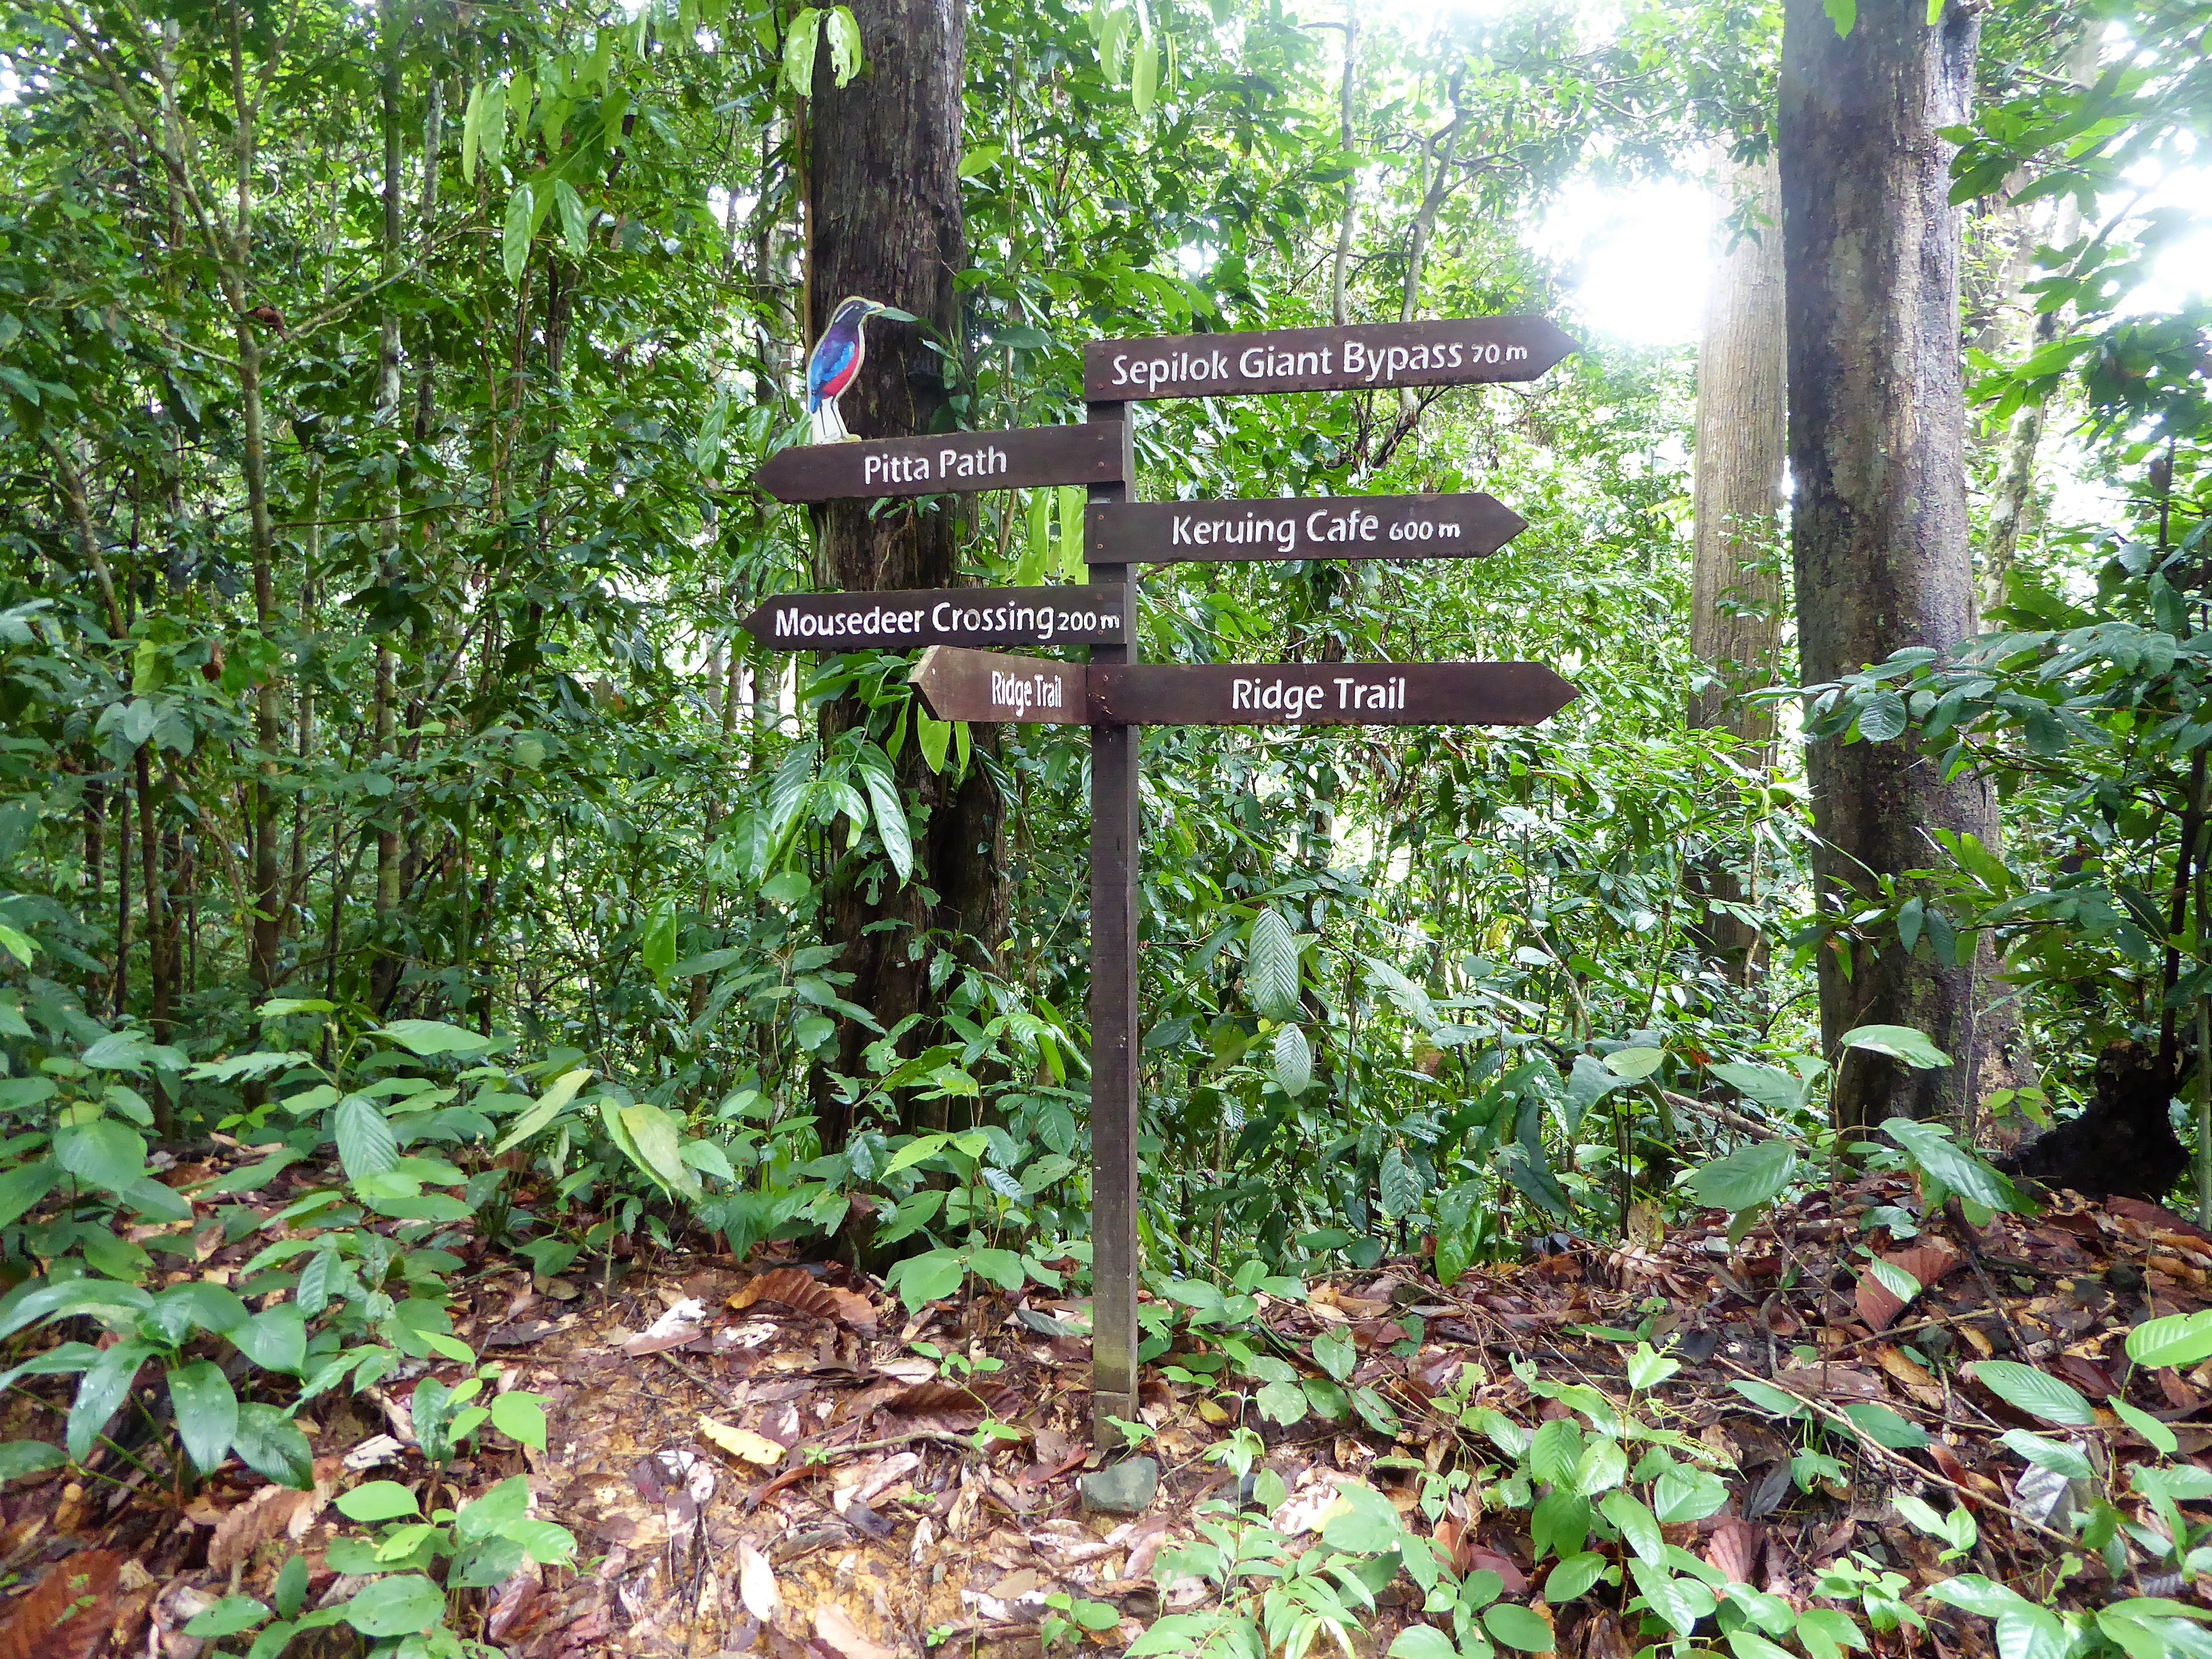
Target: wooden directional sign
1341 527
1452 351
951 463
1329 694
991 686
904 620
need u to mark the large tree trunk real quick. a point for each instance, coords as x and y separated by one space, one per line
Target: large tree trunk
883 205
1879 531
1736 621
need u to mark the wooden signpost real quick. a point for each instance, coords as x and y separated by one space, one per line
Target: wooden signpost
956 463
901 621
1116 695
1336 527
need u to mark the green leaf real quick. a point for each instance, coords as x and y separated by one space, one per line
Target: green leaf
1399 1185
1767 1397
931 736
377 1500
521 1416
101 1393
1639 1528
23 1186
228 1617
20 1458
1279 1402
844 38
2156 1435
2037 1393
1899 1042
1556 1452
399 1606
1885 1427
891 819
547 1106
1952 1165
1843 14
1293 1063
1573 1577
1882 717
1634 1064
270 1445
1517 1626
514 235
980 159
2054 1455
1271 966
1744 1180
431 1037
1680 1601
799 47
1333 1353
367 1146
471 131
2177 1339
1145 77
1073 498
659 1148
1684 1494
1362 1521
1936 11
275 1339
104 1153
1423 1642
929 1277
207 1413
576 219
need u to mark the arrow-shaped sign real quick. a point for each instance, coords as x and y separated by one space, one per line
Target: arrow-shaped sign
1341 527
902 621
1448 351
987 685
954 463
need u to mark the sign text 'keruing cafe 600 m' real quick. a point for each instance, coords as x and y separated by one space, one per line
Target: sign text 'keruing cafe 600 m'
1337 527
1451 351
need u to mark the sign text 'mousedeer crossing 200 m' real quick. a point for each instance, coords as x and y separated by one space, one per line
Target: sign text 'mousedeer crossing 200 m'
900 621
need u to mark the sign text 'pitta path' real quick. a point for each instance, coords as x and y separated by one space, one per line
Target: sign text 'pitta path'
1338 527
904 620
1448 351
952 463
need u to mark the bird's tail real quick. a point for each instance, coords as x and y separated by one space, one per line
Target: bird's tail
828 424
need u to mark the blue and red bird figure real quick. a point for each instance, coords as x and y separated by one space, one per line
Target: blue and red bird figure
836 363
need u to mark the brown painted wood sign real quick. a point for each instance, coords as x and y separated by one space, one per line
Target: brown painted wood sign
1328 693
1450 351
954 463
990 686
908 619
1338 527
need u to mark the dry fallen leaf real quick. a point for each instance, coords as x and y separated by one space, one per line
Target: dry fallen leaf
742 1442
797 1289
834 1626
1879 1305
756 1584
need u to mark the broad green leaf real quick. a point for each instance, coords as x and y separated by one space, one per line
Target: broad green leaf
1573 1577
1516 1626
270 1445
1952 1165
980 159
377 1500
1399 1185
104 1153
1899 1042
660 1148
1634 1064
1746 1179
521 1416
2037 1393
2177 1339
1885 1427
228 1617
1422 1641
892 825
2057 1456
430 1037
514 234
547 1106
100 1394
1333 1353
576 220
367 1146
1294 1064
275 1339
1271 966
1639 1528
1280 1402
21 1458
800 41
1145 76
401 1605
207 1413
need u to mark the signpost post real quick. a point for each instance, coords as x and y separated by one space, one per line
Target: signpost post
1116 694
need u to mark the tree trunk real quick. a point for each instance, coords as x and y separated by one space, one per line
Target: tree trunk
1879 531
883 207
1742 430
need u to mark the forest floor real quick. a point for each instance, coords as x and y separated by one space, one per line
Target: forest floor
756 1460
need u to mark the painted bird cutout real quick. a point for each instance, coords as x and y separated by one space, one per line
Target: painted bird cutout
837 361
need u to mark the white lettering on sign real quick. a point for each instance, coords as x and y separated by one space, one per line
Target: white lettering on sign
1175 367
1294 701
1324 527
1042 623
953 461
1023 692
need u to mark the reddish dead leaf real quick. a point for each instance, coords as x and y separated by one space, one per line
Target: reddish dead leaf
942 1396
1483 1558
1603 1637
1830 1382
270 1512
1904 1370
1879 1305
833 1625
517 1609
69 1614
1734 1549
797 1289
2087 1376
